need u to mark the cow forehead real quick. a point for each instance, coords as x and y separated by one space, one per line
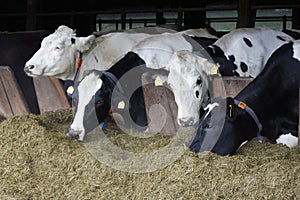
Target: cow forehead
57 38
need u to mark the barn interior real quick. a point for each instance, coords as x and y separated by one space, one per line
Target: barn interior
39 161
86 16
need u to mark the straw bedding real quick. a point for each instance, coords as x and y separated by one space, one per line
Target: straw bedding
38 161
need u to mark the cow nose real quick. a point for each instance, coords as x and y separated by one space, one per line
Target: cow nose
72 132
29 68
186 121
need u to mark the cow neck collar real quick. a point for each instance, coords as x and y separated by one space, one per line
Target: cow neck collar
245 107
78 65
70 83
113 79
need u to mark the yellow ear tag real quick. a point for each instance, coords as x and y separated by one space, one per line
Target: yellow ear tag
121 105
86 48
158 81
214 69
70 90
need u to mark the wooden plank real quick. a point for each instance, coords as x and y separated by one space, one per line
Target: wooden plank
163 95
12 99
228 86
5 108
50 94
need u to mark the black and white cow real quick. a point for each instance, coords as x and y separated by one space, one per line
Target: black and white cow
267 107
93 97
242 52
95 90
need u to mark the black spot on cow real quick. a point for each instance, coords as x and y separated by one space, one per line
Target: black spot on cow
226 65
280 38
248 42
73 40
96 59
244 67
199 81
197 94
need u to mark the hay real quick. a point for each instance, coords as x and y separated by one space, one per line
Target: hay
38 161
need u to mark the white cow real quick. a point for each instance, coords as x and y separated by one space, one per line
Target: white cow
59 51
242 52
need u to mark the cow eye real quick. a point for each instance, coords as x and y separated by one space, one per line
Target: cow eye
99 102
56 48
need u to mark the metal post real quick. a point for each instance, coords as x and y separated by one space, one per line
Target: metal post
123 20
284 22
31 15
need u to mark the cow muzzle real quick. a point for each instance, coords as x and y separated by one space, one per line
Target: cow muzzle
186 121
77 134
29 68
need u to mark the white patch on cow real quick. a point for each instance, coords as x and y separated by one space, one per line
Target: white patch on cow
210 107
157 50
288 140
199 32
184 70
87 88
264 41
296 49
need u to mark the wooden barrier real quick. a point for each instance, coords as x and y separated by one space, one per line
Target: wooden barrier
228 86
50 94
157 92
12 101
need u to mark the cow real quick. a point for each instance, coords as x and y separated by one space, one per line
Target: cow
59 51
267 107
152 54
242 52
93 96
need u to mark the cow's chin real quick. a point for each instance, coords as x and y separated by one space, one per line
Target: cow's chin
31 75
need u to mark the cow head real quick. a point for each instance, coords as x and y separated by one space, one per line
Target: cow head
91 102
57 54
189 83
224 130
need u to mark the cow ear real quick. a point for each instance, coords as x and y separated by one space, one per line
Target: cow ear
84 44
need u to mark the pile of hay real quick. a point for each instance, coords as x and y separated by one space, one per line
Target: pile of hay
38 161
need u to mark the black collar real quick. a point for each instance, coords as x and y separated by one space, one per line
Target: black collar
245 107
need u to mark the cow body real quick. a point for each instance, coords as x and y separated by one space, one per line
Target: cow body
94 96
103 89
242 52
274 98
